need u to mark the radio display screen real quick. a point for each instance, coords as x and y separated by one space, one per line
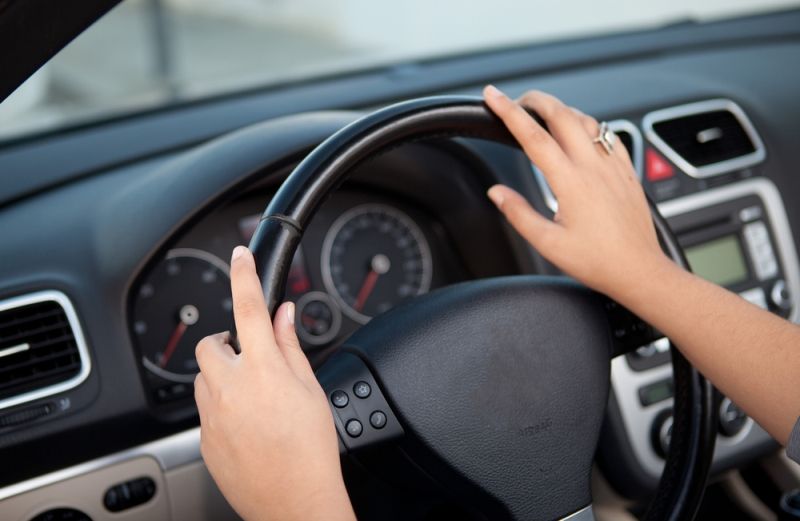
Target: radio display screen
720 261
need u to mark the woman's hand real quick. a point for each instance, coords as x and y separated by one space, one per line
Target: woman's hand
267 433
602 233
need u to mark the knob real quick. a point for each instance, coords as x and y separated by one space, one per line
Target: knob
780 295
661 432
731 418
790 506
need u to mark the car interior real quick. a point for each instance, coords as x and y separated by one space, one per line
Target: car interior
117 228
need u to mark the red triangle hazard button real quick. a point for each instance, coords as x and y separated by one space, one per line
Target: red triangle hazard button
656 167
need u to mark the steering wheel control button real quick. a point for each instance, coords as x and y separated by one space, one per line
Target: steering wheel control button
732 419
354 428
362 389
377 419
366 419
339 399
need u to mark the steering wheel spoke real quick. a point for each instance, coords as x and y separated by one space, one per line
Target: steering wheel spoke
629 331
362 415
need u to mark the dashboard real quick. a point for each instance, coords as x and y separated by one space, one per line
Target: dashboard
363 254
128 251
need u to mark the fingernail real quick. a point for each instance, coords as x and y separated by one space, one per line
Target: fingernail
290 312
496 196
493 92
238 252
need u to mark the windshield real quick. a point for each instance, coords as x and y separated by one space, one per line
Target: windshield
148 53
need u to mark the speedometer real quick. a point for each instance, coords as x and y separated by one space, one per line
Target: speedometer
373 257
186 297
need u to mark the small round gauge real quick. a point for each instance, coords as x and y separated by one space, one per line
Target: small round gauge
185 298
374 256
318 318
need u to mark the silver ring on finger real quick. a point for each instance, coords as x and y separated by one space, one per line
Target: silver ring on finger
606 137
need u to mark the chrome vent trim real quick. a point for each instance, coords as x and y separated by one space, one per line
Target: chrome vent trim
83 352
690 109
618 125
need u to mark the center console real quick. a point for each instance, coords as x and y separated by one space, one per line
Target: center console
704 164
737 236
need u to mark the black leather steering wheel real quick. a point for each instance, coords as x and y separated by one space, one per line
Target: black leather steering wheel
497 388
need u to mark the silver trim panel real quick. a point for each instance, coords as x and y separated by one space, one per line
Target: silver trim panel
753 158
170 453
584 514
618 125
83 351
638 420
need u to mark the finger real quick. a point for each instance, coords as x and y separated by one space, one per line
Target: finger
589 124
537 142
565 126
253 324
214 354
288 342
592 127
533 226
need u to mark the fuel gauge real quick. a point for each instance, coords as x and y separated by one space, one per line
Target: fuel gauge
318 318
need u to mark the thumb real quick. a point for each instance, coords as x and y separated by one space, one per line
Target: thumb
538 230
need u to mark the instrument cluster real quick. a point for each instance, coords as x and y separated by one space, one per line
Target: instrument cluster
361 256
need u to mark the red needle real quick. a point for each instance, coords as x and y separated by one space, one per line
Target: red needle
366 289
172 344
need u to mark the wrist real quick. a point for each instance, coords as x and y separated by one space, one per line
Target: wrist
331 503
642 282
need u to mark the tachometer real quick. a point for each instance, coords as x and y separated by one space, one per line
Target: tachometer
373 257
186 297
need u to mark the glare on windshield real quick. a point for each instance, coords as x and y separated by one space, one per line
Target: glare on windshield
147 53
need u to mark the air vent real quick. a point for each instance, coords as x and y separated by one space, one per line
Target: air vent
706 138
631 139
42 350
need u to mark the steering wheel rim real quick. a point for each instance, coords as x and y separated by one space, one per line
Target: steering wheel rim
275 241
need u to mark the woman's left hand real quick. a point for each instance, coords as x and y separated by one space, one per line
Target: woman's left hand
267 433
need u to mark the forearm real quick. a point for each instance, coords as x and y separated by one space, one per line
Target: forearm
751 355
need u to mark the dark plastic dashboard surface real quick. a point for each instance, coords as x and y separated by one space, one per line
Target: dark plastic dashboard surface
88 211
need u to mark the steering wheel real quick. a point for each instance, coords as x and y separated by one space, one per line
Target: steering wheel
497 388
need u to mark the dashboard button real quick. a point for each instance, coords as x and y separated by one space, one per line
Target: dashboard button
339 399
656 167
62 514
751 213
362 389
758 243
731 418
780 295
661 433
354 428
755 296
377 419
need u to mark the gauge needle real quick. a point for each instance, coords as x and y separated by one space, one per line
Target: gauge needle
188 315
379 265
173 343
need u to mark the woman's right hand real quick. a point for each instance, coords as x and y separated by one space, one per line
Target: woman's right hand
602 233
